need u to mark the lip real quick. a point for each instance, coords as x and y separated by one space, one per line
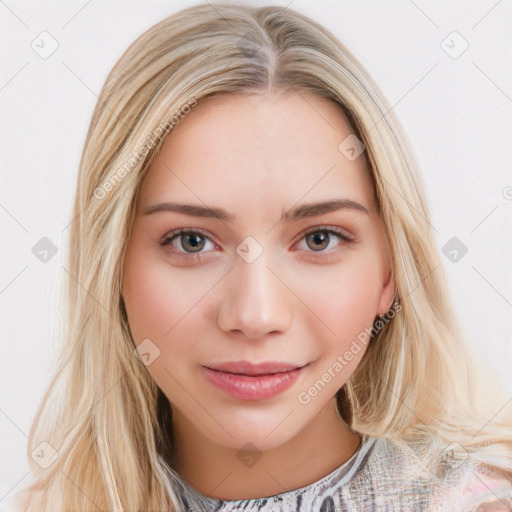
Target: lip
250 369
261 382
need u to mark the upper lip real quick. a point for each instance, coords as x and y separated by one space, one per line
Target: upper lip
247 368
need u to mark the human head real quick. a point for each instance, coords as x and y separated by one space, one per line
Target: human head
159 78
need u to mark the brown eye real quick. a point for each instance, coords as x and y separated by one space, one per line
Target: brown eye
186 242
193 241
318 240
324 244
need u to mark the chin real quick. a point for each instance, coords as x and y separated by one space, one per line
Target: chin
265 433
249 440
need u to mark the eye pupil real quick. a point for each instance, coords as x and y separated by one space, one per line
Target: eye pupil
318 237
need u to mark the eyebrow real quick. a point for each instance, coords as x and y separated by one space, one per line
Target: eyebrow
292 215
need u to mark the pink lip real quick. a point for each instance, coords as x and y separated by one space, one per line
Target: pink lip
253 383
246 368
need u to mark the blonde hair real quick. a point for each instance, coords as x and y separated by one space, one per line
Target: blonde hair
102 412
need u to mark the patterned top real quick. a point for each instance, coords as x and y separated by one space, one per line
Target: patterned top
379 477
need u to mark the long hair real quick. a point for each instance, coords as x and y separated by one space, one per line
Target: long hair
102 414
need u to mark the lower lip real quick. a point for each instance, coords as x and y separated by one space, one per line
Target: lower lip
245 387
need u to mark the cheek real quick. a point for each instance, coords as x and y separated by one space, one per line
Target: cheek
355 307
163 304
156 310
344 307
152 303
344 299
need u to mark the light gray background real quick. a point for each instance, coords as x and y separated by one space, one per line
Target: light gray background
457 113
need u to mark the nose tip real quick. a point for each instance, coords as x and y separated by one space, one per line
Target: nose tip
254 301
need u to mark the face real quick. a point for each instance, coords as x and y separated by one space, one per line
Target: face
261 277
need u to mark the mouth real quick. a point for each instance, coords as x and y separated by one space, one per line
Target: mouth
255 370
246 381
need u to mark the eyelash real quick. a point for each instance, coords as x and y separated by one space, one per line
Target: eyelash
323 255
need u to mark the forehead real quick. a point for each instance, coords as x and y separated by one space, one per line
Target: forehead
246 150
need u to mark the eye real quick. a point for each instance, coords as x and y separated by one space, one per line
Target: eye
187 243
321 237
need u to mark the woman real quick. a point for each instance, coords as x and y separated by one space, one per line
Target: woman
217 357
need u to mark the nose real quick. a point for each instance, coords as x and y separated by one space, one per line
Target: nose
255 301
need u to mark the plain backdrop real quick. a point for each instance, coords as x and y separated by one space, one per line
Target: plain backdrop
454 103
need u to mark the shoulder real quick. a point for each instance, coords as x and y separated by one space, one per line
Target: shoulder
398 478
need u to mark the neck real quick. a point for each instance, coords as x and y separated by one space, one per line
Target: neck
217 472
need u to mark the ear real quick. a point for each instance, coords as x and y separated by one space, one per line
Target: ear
387 295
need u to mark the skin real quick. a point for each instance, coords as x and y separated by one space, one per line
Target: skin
299 301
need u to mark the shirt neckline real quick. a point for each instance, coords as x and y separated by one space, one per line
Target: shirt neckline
339 475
